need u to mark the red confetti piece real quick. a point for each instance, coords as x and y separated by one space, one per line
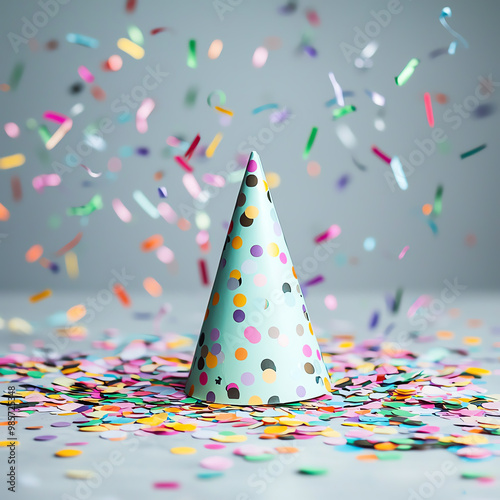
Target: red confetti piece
166 486
192 147
131 5
202 265
183 164
72 244
381 154
17 190
155 31
428 109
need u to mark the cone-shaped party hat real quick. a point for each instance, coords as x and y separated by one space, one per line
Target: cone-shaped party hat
256 344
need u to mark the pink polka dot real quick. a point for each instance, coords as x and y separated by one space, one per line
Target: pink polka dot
203 378
318 354
259 280
252 334
252 166
307 351
283 258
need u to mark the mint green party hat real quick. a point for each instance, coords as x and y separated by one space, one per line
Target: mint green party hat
256 345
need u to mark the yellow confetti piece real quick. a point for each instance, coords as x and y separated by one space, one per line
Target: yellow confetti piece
67 453
80 474
19 325
477 371
184 427
8 443
385 430
237 438
366 367
183 450
93 428
64 382
329 432
472 340
276 429
130 48
76 313
223 110
12 161
213 145
291 422
273 179
44 294
71 261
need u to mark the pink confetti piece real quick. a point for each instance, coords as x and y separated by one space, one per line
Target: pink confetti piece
183 164
331 302
167 212
85 74
191 185
428 109
331 233
421 301
403 252
166 485
217 463
381 154
45 180
259 57
121 210
165 255
92 174
214 180
12 130
143 112
54 117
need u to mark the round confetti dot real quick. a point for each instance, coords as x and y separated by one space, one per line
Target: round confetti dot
67 453
237 242
331 302
240 354
273 332
307 351
309 368
301 391
300 330
60 424
313 168
273 249
214 334
254 400
273 179
252 166
238 316
241 200
211 360
260 280
214 446
114 435
239 300
252 335
427 209
283 258
80 474
256 251
183 450
217 463
233 283
203 378
247 378
252 212
269 376
369 244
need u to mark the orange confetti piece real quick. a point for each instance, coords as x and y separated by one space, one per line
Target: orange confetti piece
472 340
152 243
122 295
34 253
385 446
4 213
474 323
286 449
44 294
152 287
76 313
427 209
367 457
444 334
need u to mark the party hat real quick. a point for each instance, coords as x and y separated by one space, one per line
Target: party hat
256 344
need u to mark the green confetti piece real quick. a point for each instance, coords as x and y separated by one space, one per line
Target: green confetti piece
474 475
6 371
472 151
35 374
190 97
31 124
438 201
191 60
408 70
310 142
135 34
313 471
338 112
44 133
389 455
404 447
16 75
397 300
265 457
95 203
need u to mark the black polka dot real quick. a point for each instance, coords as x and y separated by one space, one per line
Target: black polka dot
273 400
241 200
201 340
269 196
309 368
252 181
201 364
233 393
286 288
266 364
204 351
245 221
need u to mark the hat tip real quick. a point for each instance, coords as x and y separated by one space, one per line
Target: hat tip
254 156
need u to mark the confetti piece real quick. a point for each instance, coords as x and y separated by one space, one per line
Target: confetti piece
346 136
313 168
12 161
191 58
92 174
259 57
428 109
313 471
15 76
80 474
130 5
16 188
381 155
222 110
145 204
76 313
339 112
364 60
310 142
220 94
166 485
202 266
162 191
69 246
152 243
331 233
114 63
34 253
191 185
403 252
94 204
427 209
438 201
130 48
86 41
122 295
121 210
167 212
56 137
143 112
135 34
337 89
71 261
369 244
217 463
462 156
85 74
152 287
399 175
264 107
180 160
155 31
192 147
446 12
408 70
273 179
377 99
343 181
12 130
45 294
183 450
215 49
213 145
67 453
331 302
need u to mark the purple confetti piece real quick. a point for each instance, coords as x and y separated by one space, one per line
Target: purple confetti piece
374 320
60 424
343 181
44 438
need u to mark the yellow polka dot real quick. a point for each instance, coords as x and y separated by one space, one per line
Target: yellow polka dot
328 386
240 354
239 300
273 179
311 329
294 273
252 212
183 450
211 360
237 242
68 453
255 400
269 376
184 427
235 274
266 187
215 299
273 249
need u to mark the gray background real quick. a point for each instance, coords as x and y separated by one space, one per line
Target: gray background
306 205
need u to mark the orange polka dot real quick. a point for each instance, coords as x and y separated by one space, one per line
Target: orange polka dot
215 299
211 360
255 400
235 274
206 314
191 390
273 249
269 376
311 329
237 242
294 273
239 300
252 212
241 354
